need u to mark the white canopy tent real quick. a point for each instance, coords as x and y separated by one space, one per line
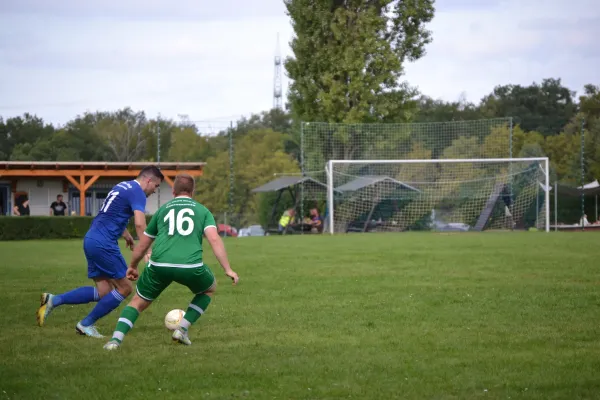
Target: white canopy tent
588 189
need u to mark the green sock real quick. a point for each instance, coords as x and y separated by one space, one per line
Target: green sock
196 308
125 323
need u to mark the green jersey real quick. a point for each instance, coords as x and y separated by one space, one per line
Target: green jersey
177 228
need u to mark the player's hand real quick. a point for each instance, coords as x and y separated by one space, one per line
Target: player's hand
234 277
132 274
130 243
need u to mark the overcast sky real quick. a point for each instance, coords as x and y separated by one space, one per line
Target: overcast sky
214 63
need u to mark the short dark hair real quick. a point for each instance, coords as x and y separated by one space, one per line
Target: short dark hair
151 171
59 195
184 183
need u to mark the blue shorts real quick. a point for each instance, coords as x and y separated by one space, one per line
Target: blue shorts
104 260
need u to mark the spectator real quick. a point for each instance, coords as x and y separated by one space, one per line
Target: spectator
22 206
584 221
316 221
286 219
58 207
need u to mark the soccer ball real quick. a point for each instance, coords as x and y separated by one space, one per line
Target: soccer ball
173 318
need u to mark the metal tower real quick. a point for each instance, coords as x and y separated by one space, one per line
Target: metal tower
277 92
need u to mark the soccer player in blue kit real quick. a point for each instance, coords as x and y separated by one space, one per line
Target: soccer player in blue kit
106 265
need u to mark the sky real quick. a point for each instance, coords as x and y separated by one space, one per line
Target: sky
212 62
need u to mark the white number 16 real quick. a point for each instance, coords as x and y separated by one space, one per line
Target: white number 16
179 221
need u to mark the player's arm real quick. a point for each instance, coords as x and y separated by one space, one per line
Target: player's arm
126 234
142 248
218 248
138 205
128 238
139 219
140 251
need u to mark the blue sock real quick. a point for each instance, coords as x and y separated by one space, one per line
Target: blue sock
104 306
81 295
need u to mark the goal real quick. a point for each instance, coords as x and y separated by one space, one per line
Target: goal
437 195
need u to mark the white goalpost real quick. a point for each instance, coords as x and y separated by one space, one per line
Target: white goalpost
438 195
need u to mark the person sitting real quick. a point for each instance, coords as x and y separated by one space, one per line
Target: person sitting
316 221
22 206
286 219
584 221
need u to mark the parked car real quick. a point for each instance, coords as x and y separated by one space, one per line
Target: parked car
252 230
226 230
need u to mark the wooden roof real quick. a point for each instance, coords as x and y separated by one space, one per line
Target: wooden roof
98 165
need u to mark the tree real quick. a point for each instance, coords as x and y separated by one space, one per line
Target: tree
412 173
348 57
4 144
155 128
589 117
63 145
123 131
275 119
19 131
430 110
80 134
188 145
544 108
589 102
259 155
563 151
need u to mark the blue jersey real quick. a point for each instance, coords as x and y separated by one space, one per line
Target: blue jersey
118 207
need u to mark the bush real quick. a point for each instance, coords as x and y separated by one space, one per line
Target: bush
29 228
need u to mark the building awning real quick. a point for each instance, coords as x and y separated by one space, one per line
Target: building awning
284 182
589 189
365 181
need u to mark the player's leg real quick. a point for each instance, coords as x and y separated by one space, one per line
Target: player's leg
126 321
109 265
150 285
80 295
200 281
109 302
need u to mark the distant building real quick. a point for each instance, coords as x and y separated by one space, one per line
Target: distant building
41 182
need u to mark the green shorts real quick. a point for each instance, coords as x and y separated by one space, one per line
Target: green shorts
154 280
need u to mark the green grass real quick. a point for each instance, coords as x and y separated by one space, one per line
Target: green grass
376 316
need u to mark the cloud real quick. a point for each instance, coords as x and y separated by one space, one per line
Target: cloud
59 66
215 60
145 10
506 42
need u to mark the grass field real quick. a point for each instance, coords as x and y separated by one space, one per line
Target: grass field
379 316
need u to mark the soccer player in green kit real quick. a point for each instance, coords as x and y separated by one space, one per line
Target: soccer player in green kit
177 229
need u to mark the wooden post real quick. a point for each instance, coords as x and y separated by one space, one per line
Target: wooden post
81 195
82 186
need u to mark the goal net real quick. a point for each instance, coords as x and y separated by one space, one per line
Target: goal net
322 141
438 195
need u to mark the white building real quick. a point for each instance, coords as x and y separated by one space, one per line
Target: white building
41 182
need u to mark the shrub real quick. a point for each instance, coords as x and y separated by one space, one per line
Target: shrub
29 228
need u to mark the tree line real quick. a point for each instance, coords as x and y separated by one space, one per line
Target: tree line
548 119
346 67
